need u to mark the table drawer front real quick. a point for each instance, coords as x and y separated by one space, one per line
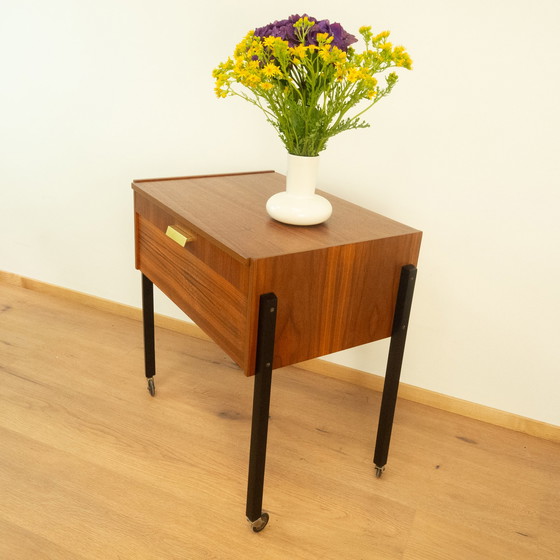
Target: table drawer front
198 245
216 304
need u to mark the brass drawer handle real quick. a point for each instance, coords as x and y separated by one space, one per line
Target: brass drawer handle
179 235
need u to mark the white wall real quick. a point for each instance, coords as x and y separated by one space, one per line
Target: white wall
94 94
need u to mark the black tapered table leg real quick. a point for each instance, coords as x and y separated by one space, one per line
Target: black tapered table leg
261 407
394 365
149 343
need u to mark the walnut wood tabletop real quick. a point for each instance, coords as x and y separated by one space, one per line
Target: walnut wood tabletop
336 282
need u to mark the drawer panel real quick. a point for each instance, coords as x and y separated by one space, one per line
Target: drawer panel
233 270
208 297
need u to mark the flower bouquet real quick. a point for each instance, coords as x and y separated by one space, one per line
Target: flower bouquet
306 77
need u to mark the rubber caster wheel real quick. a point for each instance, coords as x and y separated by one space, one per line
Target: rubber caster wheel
151 386
259 524
379 471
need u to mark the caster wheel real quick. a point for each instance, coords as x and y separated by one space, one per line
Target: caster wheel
259 524
151 386
379 471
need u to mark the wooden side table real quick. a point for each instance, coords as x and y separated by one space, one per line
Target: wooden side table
270 294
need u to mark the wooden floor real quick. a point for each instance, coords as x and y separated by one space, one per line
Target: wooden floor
92 467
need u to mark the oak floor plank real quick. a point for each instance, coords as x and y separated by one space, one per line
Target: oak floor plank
92 467
18 543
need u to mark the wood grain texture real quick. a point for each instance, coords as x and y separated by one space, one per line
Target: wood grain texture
203 248
216 305
333 299
93 467
231 210
336 282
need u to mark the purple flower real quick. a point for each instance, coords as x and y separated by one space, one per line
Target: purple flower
341 38
286 31
283 29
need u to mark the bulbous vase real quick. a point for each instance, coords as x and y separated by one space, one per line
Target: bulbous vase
299 205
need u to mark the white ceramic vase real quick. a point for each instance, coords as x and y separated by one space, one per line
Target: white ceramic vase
299 205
